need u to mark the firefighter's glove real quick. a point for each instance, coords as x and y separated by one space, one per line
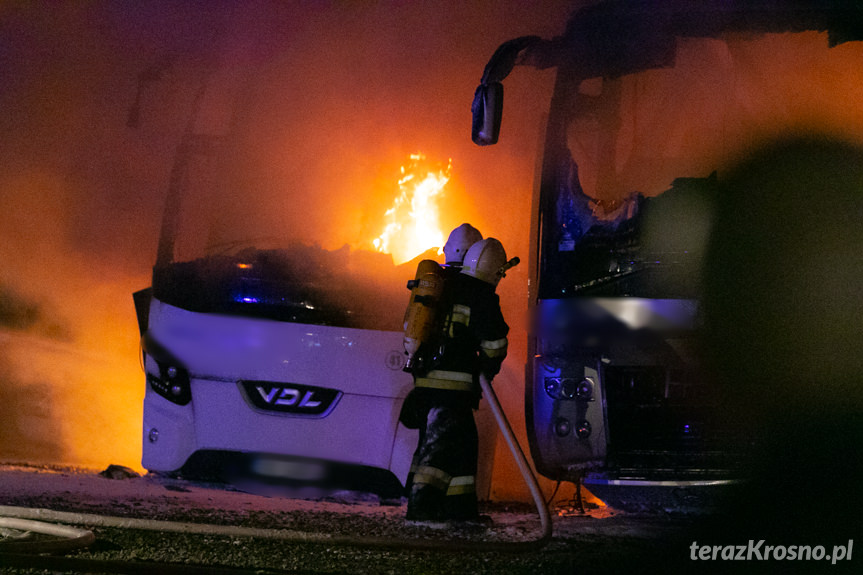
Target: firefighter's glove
489 367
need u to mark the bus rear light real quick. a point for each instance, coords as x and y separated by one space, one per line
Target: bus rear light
583 430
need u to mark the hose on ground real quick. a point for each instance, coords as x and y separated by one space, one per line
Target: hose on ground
64 538
91 520
77 564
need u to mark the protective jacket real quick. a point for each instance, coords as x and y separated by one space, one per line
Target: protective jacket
473 338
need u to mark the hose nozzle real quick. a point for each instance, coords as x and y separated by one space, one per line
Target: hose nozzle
501 273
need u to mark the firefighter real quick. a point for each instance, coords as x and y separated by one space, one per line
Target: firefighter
472 341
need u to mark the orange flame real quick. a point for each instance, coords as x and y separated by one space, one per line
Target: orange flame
412 221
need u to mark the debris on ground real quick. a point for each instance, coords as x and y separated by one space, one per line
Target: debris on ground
119 472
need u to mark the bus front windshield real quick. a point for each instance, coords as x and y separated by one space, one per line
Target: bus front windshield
248 232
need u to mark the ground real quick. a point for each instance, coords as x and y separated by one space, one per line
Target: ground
602 540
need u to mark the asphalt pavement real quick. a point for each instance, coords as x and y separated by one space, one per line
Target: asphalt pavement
597 541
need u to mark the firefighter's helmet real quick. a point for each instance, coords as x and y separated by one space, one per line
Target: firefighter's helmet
459 241
485 261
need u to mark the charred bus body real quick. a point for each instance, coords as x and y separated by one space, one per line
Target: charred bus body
651 99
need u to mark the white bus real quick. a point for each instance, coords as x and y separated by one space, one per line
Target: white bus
268 359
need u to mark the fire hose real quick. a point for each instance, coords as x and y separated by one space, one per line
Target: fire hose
32 519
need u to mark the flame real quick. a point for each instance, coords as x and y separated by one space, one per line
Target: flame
412 221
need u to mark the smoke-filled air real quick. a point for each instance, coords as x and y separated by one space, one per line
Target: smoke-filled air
332 135
317 110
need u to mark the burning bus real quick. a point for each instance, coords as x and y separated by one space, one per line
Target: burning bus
651 101
271 361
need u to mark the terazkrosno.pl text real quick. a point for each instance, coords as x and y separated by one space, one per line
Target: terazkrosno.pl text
760 551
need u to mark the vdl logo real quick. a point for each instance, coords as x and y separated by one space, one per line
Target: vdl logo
290 398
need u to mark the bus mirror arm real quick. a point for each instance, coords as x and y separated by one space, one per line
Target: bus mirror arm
487 108
505 57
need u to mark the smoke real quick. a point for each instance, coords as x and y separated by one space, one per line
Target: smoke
327 100
330 98
22 314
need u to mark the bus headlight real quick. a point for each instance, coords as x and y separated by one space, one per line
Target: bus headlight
172 382
562 427
584 390
552 387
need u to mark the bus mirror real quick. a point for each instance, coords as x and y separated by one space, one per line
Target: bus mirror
487 109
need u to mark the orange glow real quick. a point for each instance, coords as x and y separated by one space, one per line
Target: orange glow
413 222
82 195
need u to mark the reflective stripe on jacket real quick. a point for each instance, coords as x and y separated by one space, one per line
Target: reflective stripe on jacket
442 379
